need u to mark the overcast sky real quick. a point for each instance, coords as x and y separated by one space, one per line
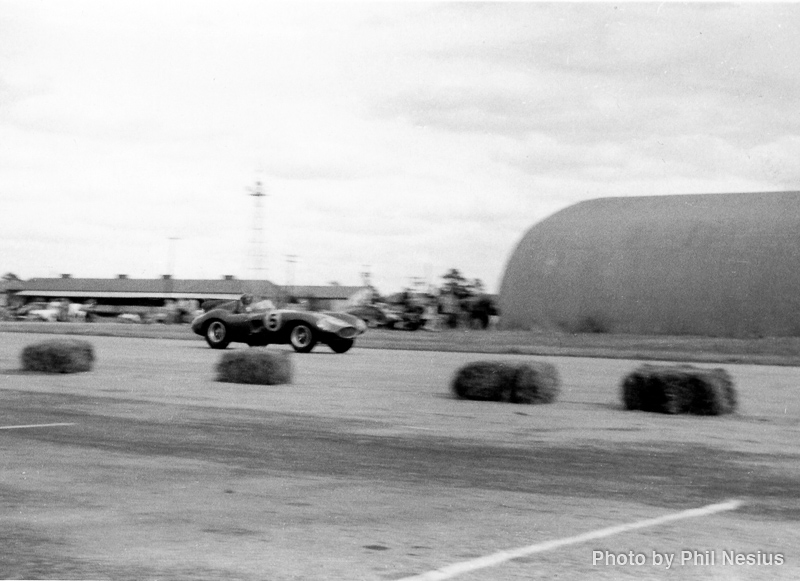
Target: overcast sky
406 137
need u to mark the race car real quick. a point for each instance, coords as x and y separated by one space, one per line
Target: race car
226 323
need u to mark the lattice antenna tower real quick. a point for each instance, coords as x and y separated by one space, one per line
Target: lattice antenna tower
257 250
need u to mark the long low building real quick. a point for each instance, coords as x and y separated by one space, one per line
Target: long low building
124 290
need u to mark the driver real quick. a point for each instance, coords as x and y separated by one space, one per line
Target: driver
243 305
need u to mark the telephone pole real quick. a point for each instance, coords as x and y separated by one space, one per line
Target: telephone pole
169 277
366 276
291 260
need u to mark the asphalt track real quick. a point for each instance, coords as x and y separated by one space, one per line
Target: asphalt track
365 468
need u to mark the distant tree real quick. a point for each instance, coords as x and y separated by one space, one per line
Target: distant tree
455 283
10 276
476 287
418 283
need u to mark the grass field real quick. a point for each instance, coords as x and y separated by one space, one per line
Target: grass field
757 351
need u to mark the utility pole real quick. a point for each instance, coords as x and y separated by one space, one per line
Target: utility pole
366 276
171 255
169 286
291 259
257 252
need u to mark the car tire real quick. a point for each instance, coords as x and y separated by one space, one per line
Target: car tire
302 338
217 334
341 345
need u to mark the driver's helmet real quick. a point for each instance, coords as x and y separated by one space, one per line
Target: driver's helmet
246 299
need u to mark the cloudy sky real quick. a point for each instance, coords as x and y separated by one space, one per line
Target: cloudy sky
404 138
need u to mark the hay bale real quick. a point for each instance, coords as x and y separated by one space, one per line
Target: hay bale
58 356
485 381
507 381
536 382
255 366
679 389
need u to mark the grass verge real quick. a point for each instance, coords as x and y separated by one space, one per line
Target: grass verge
756 351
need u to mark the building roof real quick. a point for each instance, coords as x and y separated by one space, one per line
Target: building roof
138 287
10 285
705 264
124 287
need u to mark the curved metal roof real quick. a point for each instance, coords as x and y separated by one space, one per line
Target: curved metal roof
709 264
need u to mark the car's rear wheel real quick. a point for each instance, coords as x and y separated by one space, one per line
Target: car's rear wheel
341 345
217 335
302 338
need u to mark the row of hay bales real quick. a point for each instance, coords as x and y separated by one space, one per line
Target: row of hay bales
668 389
255 366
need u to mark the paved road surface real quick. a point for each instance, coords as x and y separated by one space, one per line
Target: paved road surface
366 468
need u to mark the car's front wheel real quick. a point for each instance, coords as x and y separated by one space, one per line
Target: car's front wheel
302 338
341 345
217 335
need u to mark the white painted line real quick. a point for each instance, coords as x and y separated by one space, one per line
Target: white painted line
33 426
501 557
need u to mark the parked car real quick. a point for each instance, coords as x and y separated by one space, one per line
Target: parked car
38 311
230 323
407 317
375 315
23 311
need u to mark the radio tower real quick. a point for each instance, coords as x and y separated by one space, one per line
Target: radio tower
257 240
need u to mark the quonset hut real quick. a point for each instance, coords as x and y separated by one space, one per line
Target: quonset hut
712 264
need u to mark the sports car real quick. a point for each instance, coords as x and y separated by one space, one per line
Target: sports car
302 330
